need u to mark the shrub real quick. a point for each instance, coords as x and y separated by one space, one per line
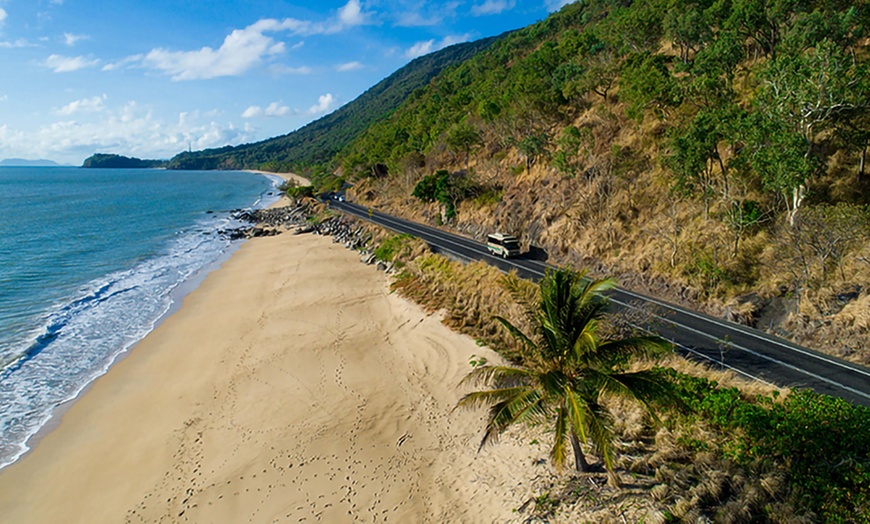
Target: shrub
820 441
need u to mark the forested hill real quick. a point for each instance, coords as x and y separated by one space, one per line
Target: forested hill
110 161
319 141
709 151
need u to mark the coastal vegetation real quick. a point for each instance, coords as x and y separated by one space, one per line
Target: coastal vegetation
107 161
716 447
724 449
309 149
711 153
565 368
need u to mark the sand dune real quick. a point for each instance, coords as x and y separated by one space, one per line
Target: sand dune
290 387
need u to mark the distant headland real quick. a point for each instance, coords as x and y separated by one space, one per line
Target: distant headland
105 161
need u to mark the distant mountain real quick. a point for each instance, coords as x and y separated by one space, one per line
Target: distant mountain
105 161
21 162
319 141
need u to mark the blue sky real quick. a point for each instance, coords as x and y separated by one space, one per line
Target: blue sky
150 79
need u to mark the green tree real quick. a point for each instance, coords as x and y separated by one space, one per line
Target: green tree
694 155
646 83
761 21
637 28
714 68
742 217
566 369
533 147
687 26
571 143
463 138
779 156
444 188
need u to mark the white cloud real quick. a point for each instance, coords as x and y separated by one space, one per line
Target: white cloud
85 105
492 7
324 104
16 44
3 16
241 50
420 49
555 5
351 14
4 98
275 109
122 63
71 39
129 130
252 112
349 66
245 48
67 64
429 46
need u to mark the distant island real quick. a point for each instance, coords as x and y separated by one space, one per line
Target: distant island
104 161
22 162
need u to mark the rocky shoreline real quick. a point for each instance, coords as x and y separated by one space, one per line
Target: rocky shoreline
300 218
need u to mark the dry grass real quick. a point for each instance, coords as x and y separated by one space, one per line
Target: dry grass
676 472
618 217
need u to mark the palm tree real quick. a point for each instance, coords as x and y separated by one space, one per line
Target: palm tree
565 370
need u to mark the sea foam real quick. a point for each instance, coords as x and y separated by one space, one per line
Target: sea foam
80 339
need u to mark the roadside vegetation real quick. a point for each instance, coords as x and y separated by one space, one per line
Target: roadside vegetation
564 370
711 153
720 449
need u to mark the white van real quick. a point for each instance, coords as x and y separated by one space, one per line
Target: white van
503 245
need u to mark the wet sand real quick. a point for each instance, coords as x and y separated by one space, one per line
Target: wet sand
290 386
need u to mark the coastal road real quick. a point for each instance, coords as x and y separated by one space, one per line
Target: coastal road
745 350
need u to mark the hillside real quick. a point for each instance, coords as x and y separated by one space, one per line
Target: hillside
319 141
108 161
711 153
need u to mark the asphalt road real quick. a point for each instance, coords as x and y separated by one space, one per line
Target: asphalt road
742 349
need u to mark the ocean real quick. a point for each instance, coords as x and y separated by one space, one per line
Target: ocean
90 260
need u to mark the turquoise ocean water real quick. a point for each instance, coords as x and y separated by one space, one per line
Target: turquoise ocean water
89 262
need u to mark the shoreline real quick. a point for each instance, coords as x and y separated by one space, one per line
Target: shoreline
176 297
299 179
268 325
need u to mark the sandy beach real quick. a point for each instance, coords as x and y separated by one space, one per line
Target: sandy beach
290 386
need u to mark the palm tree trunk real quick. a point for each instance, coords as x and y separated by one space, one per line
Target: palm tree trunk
579 458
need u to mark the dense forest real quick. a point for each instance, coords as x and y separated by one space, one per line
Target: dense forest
709 151
309 147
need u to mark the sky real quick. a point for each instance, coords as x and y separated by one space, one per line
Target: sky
153 78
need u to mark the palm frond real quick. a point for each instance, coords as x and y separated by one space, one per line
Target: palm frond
615 352
559 452
577 411
497 375
510 411
524 293
516 333
490 397
600 425
646 387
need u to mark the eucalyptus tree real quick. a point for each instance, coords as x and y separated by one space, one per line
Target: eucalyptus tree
566 369
808 94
